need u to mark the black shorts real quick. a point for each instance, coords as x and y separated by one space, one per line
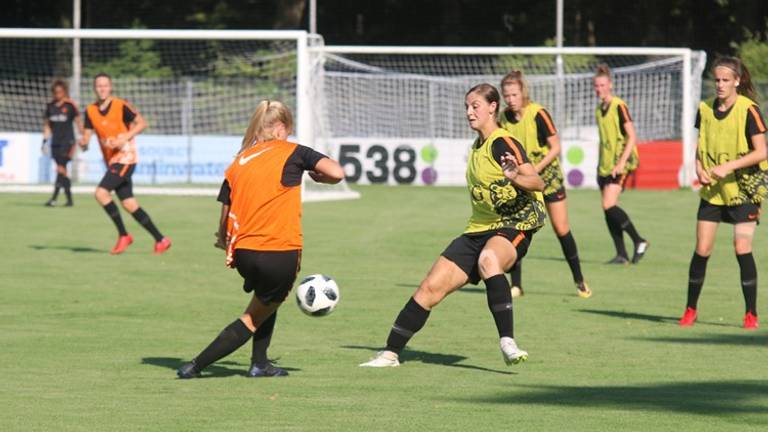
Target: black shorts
621 180
464 251
748 212
62 155
268 274
118 179
556 196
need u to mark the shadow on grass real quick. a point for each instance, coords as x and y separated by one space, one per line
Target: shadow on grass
216 370
560 258
78 249
708 398
645 317
749 339
451 360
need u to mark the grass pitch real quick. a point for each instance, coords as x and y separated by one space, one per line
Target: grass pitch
90 341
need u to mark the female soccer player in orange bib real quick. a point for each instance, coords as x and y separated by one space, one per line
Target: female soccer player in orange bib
260 229
116 124
618 159
731 166
532 125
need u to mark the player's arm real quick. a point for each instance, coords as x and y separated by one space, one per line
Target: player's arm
516 166
78 119
546 125
225 199
327 171
46 136
631 141
756 130
87 131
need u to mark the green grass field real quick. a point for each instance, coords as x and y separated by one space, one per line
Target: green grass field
90 341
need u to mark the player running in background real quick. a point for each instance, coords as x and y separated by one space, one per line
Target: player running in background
260 228
532 125
618 159
116 124
507 209
731 166
58 134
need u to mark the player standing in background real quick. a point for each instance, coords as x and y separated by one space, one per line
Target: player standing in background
260 228
507 209
59 134
731 166
532 125
116 124
618 159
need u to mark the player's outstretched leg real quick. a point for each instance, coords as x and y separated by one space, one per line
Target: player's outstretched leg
444 278
617 235
57 185
260 364
571 254
162 243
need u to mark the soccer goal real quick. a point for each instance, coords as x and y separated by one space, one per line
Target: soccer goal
396 114
196 88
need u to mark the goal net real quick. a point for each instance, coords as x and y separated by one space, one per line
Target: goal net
396 114
196 89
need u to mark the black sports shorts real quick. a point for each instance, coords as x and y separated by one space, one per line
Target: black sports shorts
621 180
555 196
748 212
118 179
62 154
268 274
464 251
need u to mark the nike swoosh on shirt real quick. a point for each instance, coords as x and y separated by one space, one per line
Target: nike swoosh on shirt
245 160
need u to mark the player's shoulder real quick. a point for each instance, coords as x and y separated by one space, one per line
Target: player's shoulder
72 104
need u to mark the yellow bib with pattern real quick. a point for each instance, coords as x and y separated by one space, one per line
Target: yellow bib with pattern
612 141
723 140
496 202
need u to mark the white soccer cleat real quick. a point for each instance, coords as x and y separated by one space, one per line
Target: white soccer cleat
510 351
382 360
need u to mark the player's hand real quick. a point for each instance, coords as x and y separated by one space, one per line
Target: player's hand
618 169
509 165
83 144
720 171
220 243
44 147
703 176
316 176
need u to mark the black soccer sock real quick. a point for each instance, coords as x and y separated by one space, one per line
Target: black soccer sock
621 218
261 340
748 281
231 338
500 304
57 184
571 254
410 320
616 234
67 183
114 213
143 218
696 273
516 273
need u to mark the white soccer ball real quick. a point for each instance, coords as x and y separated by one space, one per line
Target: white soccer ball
317 295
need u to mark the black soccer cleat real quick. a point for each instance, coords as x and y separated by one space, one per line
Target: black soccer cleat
188 370
266 370
618 259
50 203
640 248
69 204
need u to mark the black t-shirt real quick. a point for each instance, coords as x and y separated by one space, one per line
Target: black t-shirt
129 115
755 123
302 159
60 118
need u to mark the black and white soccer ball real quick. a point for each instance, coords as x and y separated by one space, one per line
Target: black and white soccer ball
317 295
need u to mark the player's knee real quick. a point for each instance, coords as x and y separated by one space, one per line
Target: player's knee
488 264
101 194
429 293
561 228
742 245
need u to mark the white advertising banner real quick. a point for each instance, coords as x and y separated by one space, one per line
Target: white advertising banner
442 162
16 157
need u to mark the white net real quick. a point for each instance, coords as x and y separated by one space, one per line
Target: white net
420 96
197 95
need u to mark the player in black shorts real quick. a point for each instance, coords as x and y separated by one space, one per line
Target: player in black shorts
59 135
260 228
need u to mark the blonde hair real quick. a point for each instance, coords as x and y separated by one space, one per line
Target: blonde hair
516 77
261 127
602 70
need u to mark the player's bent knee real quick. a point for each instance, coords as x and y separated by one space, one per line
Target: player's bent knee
429 294
488 264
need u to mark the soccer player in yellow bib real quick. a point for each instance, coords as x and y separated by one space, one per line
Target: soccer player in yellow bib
617 159
532 125
507 209
731 166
